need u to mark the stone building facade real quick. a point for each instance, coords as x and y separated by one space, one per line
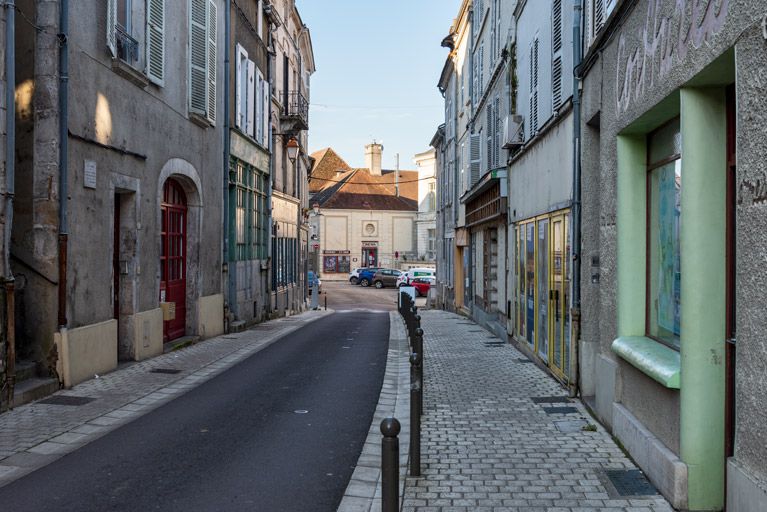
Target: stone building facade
672 347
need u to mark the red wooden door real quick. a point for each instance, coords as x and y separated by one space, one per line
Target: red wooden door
173 257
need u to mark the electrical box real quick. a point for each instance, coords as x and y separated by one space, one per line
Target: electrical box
168 311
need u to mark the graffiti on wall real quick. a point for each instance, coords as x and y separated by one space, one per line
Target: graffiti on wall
663 39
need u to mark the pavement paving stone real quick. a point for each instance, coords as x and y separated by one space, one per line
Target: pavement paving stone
487 445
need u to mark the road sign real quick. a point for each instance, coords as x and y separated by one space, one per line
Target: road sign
316 246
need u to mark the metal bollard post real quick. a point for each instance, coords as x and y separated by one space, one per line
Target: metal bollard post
419 347
390 427
415 414
326 301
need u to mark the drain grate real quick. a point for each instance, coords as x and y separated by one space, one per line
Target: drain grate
165 370
560 410
631 482
494 343
550 399
67 400
522 360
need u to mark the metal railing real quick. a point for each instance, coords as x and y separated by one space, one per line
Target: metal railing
127 47
296 106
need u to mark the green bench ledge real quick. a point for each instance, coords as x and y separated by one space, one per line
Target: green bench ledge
655 359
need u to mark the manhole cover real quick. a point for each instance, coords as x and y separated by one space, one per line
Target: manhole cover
550 399
521 360
301 411
67 400
165 370
631 482
570 426
560 410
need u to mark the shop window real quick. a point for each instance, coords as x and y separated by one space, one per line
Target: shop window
664 222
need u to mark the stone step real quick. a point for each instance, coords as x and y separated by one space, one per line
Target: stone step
237 326
33 389
178 343
25 370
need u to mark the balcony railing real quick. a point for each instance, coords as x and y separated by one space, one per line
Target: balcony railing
297 107
127 47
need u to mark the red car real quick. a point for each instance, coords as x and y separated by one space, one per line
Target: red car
422 285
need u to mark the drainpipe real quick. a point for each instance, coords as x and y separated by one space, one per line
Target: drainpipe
63 123
575 312
10 169
231 267
270 140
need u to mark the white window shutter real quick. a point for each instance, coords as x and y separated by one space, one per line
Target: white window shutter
489 136
260 18
497 145
475 156
257 106
556 86
198 93
267 101
155 45
251 99
238 85
481 69
112 26
212 36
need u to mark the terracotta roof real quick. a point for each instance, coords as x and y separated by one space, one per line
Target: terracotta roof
327 165
357 190
408 184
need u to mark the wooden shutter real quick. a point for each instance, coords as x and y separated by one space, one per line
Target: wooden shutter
260 18
556 86
481 69
155 44
258 101
556 25
475 158
112 26
534 87
239 94
212 36
198 94
251 106
599 15
475 91
497 131
489 135
267 98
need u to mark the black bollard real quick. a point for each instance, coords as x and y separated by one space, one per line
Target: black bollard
326 301
419 349
390 428
415 415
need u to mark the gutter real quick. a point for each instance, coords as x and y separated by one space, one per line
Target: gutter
10 169
63 163
575 313
230 305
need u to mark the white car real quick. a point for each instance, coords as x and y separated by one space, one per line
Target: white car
413 273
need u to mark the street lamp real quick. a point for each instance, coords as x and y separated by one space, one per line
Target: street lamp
292 146
316 208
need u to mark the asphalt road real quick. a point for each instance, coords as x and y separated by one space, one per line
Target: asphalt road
343 296
281 431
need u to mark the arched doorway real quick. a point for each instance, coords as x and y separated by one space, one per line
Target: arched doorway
173 256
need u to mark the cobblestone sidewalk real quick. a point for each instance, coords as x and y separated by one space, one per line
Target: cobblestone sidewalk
38 433
487 446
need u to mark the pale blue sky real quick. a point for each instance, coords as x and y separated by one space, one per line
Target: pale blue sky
378 64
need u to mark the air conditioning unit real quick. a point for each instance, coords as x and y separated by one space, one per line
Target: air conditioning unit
513 135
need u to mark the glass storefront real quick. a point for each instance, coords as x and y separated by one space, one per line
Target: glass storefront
542 289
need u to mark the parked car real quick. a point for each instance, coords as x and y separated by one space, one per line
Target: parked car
386 277
412 273
354 275
366 276
311 280
422 285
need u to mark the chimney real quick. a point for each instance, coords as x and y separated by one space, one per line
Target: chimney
373 158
